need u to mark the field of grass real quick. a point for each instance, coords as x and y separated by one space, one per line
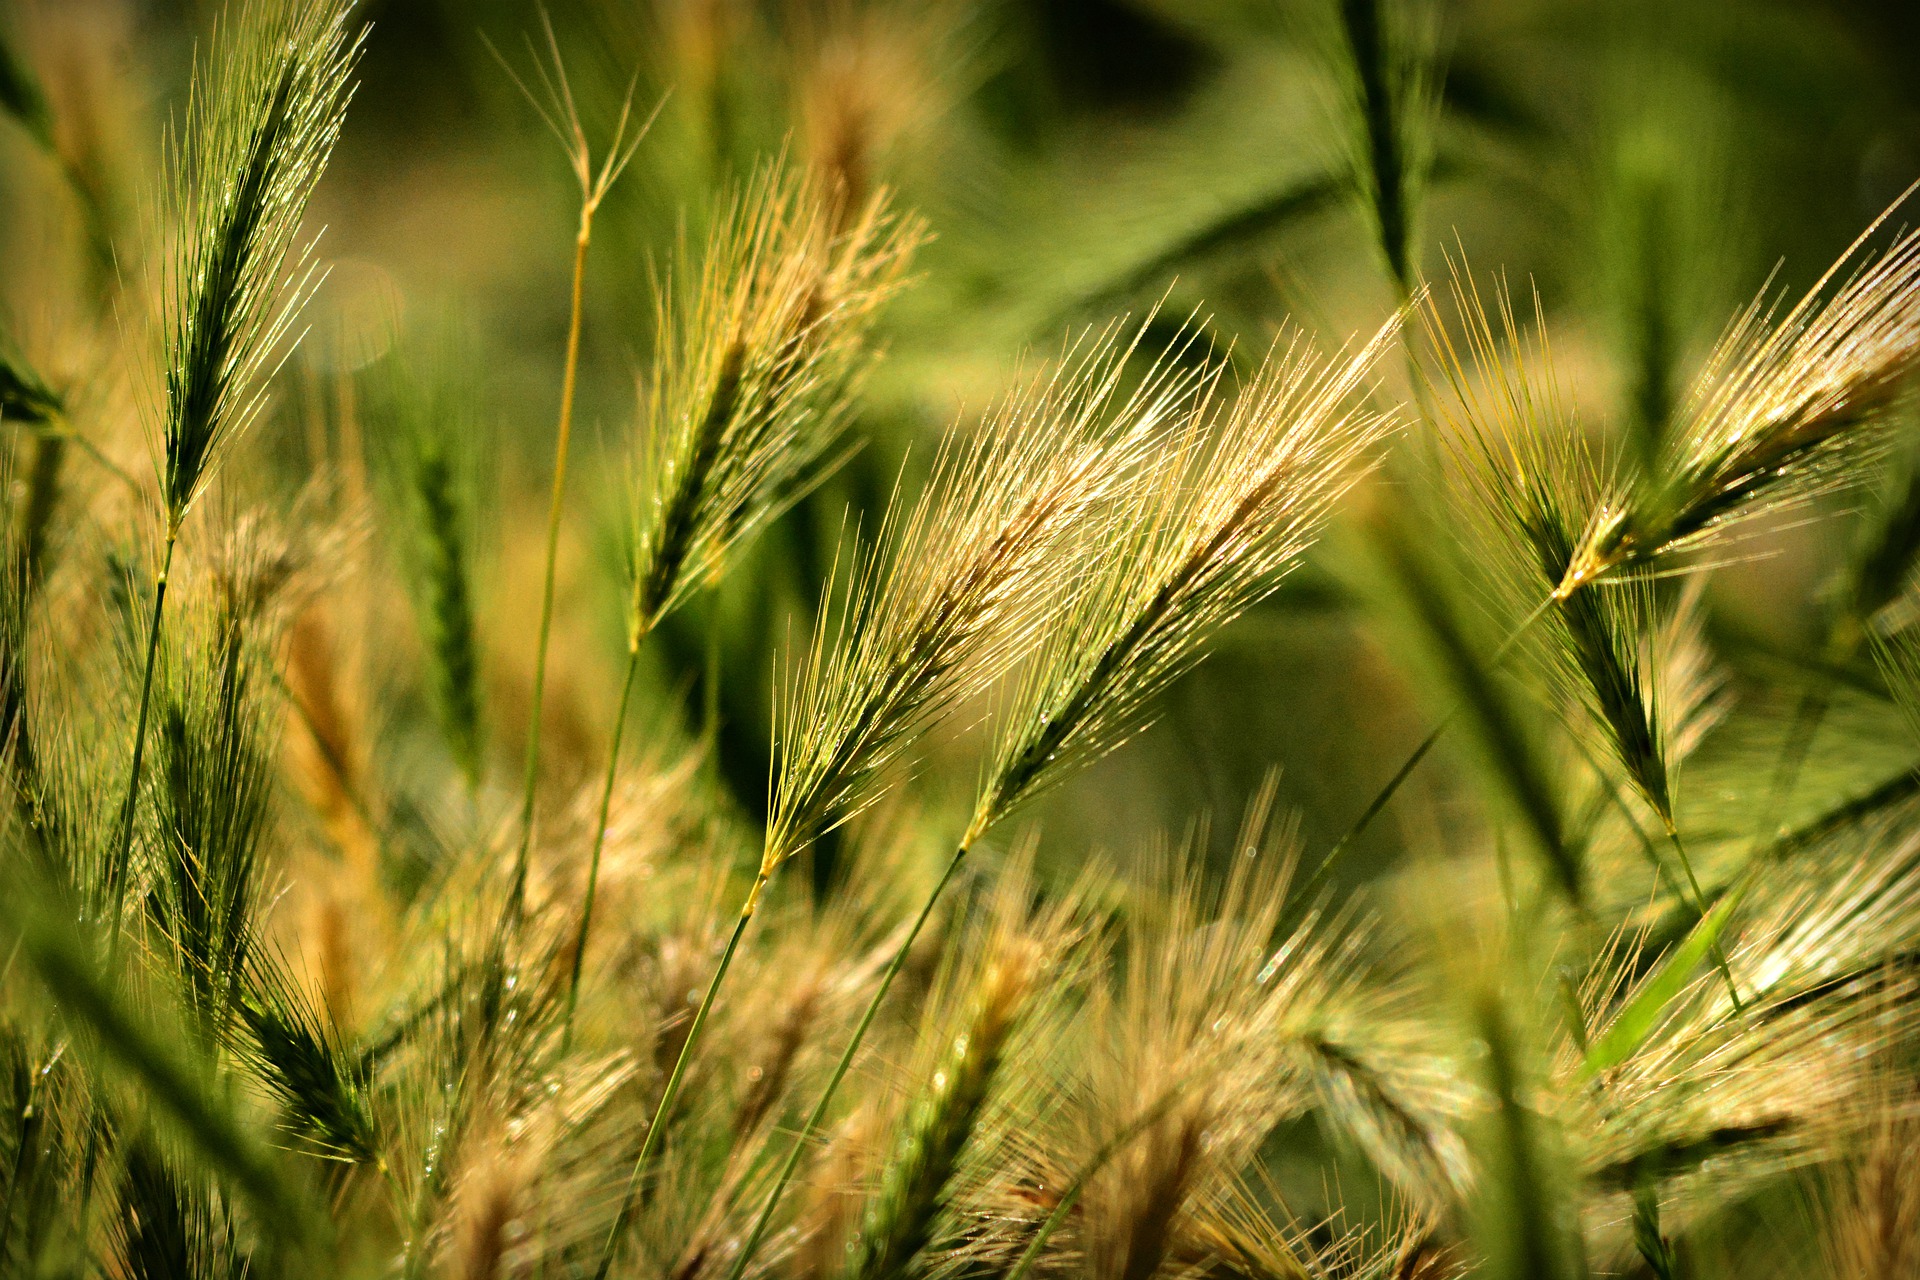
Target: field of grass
959 640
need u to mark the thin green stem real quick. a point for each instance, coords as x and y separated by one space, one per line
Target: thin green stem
1700 906
516 898
599 842
1372 811
1386 793
671 1092
117 870
819 1112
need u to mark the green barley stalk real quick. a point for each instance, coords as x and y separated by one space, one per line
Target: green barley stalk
755 368
1526 1232
1182 551
556 108
261 122
432 482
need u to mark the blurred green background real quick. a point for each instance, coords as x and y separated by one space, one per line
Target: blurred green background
1646 166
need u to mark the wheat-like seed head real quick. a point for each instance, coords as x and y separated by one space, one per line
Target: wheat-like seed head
1195 1013
959 585
760 345
554 103
433 476
1198 536
261 122
1782 411
171 1219
1533 477
1703 1099
918 1181
213 807
1871 1222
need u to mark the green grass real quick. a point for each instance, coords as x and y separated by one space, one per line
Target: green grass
444 846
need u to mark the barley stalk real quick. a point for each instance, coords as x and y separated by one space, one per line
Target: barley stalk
942 618
1143 616
558 111
260 127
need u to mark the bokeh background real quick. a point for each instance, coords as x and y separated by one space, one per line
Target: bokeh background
1643 168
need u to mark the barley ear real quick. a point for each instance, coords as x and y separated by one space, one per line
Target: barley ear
973 576
762 342
172 1223
958 585
293 1047
260 126
433 471
265 111
1187 544
1783 411
142 1043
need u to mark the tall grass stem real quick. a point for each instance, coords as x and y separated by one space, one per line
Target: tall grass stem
118 869
670 1093
516 898
819 1112
599 843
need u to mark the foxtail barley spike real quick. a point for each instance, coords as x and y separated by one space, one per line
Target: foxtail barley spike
1782 411
1191 544
913 1190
